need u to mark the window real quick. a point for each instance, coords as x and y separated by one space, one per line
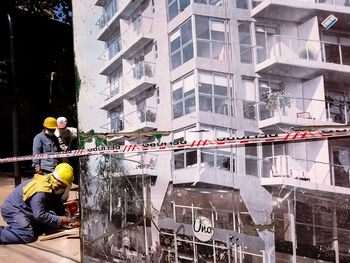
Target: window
251 160
209 2
109 10
214 93
264 41
175 7
116 115
114 46
249 98
181 45
115 82
242 4
183 96
212 38
185 158
265 87
245 42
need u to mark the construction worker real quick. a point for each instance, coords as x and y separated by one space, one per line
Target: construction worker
33 206
46 142
65 134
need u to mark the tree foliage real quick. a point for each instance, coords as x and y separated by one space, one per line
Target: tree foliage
60 10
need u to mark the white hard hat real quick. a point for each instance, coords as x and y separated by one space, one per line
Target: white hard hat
61 122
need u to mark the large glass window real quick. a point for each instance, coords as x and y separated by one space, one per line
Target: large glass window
214 93
209 2
181 45
212 39
264 41
117 120
109 10
251 161
175 7
183 96
245 42
185 158
114 82
249 101
114 46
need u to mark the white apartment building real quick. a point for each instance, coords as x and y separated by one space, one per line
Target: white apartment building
222 68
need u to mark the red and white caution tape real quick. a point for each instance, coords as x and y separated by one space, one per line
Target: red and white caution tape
178 145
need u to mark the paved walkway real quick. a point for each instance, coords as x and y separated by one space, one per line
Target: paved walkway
63 249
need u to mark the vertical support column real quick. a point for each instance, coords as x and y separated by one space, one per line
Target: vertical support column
335 235
291 213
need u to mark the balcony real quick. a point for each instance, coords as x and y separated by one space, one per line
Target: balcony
300 10
302 58
137 80
287 112
144 118
140 164
108 24
128 7
318 178
112 57
137 35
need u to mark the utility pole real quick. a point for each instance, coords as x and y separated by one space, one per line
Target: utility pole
14 112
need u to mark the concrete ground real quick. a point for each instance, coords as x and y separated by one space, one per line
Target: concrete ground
62 249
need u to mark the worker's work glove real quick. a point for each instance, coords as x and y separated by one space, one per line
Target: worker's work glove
38 170
65 220
75 224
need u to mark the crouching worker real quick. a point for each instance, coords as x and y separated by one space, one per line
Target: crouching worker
35 205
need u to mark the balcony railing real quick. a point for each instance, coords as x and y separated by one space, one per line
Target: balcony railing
305 108
139 164
108 13
139 117
141 26
112 89
329 2
311 50
306 170
138 74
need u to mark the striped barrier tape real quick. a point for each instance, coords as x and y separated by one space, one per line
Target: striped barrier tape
179 145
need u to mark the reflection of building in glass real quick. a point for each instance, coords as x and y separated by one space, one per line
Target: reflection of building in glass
223 68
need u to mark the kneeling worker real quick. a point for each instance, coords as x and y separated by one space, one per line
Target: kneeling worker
33 206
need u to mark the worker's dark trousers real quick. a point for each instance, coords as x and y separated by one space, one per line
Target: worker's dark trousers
19 229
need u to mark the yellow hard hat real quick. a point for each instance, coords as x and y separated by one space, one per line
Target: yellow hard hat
50 123
64 173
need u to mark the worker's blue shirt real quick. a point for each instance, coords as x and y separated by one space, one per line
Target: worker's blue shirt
37 207
44 143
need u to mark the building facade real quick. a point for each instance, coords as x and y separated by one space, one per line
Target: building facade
207 69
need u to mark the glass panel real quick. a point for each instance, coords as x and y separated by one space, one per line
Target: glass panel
220 90
251 150
345 52
184 4
201 1
177 94
332 53
175 44
202 27
243 4
221 106
205 104
244 33
179 161
188 53
208 158
219 51
246 54
186 32
205 88
223 162
188 84
251 167
203 49
173 10
190 105
249 110
176 60
191 158
178 110
215 2
261 46
217 30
